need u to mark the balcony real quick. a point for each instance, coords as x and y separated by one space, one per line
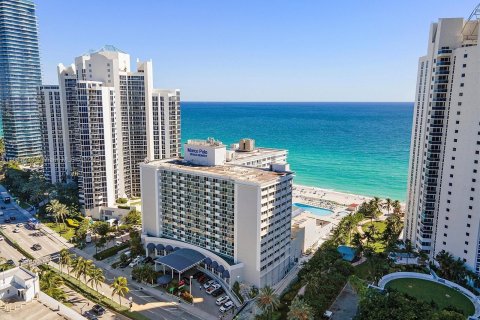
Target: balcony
444 51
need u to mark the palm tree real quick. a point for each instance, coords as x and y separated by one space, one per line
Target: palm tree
397 208
388 204
65 259
408 248
96 277
120 287
267 300
58 210
51 283
82 267
369 236
300 310
357 241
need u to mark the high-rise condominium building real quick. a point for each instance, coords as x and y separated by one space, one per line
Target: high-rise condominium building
443 201
112 119
236 217
20 76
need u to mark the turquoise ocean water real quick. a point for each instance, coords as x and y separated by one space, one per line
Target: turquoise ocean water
360 148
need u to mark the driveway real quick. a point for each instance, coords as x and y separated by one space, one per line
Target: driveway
346 305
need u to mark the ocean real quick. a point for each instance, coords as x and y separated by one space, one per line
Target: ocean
360 148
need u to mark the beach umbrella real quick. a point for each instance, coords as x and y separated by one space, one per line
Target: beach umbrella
214 264
169 248
208 261
226 274
150 247
160 247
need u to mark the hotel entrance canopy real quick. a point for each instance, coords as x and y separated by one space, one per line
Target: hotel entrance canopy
181 260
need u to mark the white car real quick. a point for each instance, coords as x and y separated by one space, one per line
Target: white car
1 238
135 262
222 300
227 306
212 288
16 230
209 283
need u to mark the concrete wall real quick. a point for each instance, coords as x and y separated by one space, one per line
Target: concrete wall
247 231
150 206
59 307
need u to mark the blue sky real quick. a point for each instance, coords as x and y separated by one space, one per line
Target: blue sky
297 50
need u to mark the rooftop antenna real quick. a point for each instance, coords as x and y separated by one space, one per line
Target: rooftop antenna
475 15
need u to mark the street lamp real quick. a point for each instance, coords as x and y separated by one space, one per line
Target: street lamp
191 278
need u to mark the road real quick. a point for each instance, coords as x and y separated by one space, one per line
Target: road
51 242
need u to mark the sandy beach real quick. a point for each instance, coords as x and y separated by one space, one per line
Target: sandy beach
326 198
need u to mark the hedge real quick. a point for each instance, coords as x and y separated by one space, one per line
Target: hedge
110 252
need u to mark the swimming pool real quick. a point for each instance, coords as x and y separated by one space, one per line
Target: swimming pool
348 253
315 210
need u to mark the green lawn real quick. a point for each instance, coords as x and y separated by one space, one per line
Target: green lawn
62 229
427 291
378 245
379 225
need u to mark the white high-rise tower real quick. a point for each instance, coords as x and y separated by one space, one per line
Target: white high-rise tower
112 120
443 201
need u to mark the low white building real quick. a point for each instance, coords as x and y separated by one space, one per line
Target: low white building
19 284
238 217
307 231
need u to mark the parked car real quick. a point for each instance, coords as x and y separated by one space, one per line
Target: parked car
135 262
204 279
23 260
98 309
227 306
37 247
218 292
10 262
1 238
222 300
90 315
3 207
3 227
208 283
214 287
16 230
148 260
13 218
19 225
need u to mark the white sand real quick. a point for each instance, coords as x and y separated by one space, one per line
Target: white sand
342 199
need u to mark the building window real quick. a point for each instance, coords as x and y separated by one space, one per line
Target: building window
465 55
464 65
470 207
469 216
463 75
462 84
465 251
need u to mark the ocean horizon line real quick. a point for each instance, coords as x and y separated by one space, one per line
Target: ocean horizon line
357 102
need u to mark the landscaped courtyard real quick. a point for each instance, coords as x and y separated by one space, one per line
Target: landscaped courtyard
429 291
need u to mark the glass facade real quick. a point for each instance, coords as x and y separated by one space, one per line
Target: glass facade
20 75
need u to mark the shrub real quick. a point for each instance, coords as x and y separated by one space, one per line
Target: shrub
110 252
72 223
122 200
187 296
123 207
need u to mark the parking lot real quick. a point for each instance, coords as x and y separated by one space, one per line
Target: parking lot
202 300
